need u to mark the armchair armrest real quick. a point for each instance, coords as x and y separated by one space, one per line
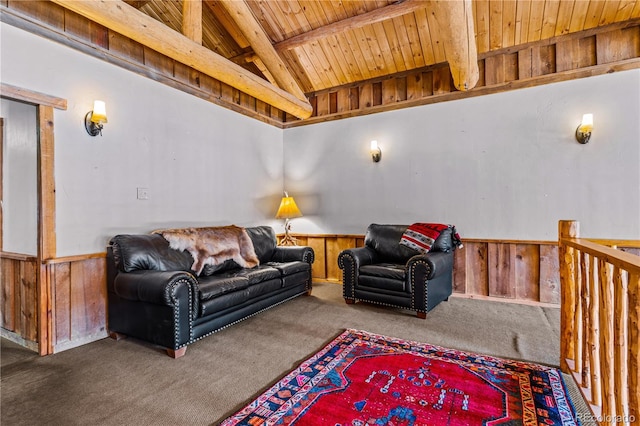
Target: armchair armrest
157 287
350 261
435 264
292 254
429 276
358 256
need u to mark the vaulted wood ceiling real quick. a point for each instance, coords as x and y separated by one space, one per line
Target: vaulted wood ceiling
302 47
331 43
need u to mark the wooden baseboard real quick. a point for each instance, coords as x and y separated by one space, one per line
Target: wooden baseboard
16 338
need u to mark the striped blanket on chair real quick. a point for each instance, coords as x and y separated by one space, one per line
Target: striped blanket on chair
421 236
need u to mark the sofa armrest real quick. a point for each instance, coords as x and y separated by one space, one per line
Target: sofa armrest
157 287
292 254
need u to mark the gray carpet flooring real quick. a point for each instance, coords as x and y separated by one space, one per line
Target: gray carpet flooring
129 382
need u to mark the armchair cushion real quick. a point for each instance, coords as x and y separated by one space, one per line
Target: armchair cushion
385 240
385 270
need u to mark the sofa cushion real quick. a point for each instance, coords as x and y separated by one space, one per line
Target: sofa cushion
264 241
227 265
288 268
219 284
148 251
225 302
258 274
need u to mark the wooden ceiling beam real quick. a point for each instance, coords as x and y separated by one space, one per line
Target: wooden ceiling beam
261 45
128 21
136 3
394 10
455 22
192 20
222 16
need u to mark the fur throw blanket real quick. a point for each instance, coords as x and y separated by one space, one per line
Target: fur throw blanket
213 245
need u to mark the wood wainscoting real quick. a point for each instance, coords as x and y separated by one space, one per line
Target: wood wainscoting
67 310
503 270
19 299
78 300
70 310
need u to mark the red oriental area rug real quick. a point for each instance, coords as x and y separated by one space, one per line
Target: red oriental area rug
367 379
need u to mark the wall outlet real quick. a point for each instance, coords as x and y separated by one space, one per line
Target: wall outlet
143 193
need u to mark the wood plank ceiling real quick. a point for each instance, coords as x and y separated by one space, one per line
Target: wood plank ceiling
315 45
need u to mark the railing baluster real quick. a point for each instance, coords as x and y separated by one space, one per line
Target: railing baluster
585 364
594 333
620 341
579 313
600 324
606 338
633 288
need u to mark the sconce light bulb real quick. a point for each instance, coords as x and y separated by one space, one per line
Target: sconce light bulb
99 113
587 123
376 152
583 132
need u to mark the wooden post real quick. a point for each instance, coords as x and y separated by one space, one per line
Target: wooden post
455 22
192 20
46 227
567 229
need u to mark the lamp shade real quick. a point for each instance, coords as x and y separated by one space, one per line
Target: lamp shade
99 113
288 209
587 123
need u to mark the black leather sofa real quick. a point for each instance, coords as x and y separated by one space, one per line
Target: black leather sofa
387 273
153 295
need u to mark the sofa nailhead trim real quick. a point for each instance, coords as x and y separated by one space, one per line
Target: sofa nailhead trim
176 314
342 266
307 287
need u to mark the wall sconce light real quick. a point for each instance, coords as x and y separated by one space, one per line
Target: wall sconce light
95 119
583 132
376 152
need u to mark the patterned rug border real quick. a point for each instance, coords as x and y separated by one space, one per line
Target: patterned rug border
412 347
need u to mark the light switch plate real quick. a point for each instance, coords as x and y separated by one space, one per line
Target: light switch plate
143 193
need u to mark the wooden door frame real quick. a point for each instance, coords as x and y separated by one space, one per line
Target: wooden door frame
46 202
1 182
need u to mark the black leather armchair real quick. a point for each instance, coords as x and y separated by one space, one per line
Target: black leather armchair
387 273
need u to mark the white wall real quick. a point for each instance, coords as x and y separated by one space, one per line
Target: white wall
203 164
19 180
498 166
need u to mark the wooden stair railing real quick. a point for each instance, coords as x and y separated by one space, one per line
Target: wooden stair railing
600 312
